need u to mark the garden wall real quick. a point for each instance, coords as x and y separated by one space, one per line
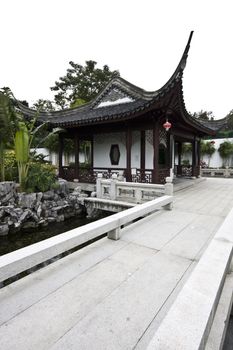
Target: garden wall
216 161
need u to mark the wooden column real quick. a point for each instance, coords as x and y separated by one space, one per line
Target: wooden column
156 153
76 147
198 152
194 157
143 152
198 157
171 150
179 150
92 153
128 154
60 154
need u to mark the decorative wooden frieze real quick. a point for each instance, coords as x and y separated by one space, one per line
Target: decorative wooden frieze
149 136
163 137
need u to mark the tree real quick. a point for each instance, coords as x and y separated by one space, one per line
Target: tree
203 115
229 118
226 150
44 105
207 148
81 83
8 125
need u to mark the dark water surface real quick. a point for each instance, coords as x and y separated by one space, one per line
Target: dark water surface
21 239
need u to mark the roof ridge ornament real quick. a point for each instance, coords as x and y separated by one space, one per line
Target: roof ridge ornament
184 57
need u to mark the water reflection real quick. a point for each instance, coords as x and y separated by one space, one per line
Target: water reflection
22 239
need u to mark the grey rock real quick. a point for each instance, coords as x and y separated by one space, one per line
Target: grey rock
27 200
6 199
48 195
29 224
4 229
39 210
26 214
51 219
43 222
39 196
60 218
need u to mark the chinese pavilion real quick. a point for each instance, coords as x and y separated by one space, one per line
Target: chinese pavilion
130 130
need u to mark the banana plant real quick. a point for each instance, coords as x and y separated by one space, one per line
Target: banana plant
22 150
7 126
14 128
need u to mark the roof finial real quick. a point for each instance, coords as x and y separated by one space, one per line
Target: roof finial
183 60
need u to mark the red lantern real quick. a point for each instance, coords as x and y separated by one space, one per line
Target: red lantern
167 125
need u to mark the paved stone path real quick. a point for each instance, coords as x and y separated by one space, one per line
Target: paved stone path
114 294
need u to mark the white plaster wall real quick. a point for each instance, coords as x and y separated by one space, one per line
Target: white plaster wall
216 161
43 151
136 149
102 145
54 159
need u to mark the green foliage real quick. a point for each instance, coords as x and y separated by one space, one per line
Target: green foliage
22 140
224 134
185 162
207 148
230 120
81 83
77 103
52 144
204 115
8 125
186 148
41 177
226 150
11 170
44 105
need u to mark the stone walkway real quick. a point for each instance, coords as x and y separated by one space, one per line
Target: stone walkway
114 294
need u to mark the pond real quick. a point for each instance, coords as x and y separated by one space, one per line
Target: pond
22 239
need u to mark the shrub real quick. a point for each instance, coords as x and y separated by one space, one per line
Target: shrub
11 169
41 177
185 162
208 149
226 151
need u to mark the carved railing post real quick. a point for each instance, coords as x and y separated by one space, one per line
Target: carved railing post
169 191
98 185
113 187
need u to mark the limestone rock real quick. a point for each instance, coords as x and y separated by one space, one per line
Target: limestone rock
27 200
4 229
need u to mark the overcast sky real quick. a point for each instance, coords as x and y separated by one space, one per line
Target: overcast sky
143 39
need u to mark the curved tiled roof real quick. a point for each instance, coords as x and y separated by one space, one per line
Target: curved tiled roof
129 101
216 125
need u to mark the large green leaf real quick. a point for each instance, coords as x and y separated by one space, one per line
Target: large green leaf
22 144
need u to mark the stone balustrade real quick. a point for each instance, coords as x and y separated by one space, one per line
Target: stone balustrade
23 259
217 172
114 189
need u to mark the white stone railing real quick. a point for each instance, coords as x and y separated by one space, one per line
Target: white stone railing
23 259
217 172
131 191
187 324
